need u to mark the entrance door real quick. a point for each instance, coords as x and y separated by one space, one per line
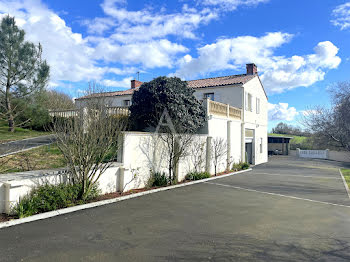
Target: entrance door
249 152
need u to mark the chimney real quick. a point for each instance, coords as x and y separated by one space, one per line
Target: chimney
135 83
252 69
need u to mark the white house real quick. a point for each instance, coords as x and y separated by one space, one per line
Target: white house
248 133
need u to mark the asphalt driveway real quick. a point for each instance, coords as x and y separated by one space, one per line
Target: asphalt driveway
286 210
25 144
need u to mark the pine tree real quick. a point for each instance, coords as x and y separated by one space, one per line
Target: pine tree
22 71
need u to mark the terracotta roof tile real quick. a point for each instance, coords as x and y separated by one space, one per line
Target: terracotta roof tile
108 94
220 81
200 83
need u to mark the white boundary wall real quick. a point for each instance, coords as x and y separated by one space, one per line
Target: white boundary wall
16 185
321 154
141 153
341 156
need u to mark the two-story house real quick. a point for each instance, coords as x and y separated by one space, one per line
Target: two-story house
244 91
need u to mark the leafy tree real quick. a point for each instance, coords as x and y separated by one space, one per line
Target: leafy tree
173 94
22 71
282 128
168 106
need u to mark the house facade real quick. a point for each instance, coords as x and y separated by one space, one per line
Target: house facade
247 134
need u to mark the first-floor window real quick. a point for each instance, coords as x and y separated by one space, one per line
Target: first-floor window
127 103
261 145
209 95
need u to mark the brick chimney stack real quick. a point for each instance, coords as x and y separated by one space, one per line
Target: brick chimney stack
135 83
252 69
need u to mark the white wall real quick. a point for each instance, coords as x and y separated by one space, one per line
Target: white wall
257 121
20 184
217 127
231 95
339 156
143 152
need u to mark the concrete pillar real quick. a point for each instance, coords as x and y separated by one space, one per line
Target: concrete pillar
298 152
7 202
121 179
243 158
120 153
229 128
208 156
327 153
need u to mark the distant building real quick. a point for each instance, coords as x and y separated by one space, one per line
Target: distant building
279 145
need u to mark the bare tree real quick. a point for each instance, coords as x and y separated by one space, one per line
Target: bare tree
197 154
331 126
89 142
219 148
58 101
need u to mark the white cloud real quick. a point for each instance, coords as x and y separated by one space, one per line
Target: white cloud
278 73
67 52
232 4
288 73
341 16
232 53
281 111
73 57
149 54
116 83
145 25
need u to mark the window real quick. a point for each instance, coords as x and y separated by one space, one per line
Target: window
126 102
257 105
248 101
209 95
261 145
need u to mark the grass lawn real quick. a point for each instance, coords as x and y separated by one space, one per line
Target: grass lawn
45 157
20 133
346 174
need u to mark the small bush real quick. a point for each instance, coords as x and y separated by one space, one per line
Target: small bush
158 179
51 197
197 175
245 165
240 166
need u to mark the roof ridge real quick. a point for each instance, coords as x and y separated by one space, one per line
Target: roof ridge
217 77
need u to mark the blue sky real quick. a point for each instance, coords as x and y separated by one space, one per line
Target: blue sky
300 47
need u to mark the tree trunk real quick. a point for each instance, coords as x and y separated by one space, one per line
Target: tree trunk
11 122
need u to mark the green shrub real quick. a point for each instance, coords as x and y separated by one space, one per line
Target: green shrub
158 179
240 166
245 165
197 175
51 197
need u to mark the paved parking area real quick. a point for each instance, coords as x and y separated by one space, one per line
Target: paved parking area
286 210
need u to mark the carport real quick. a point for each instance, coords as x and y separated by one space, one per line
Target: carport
278 145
